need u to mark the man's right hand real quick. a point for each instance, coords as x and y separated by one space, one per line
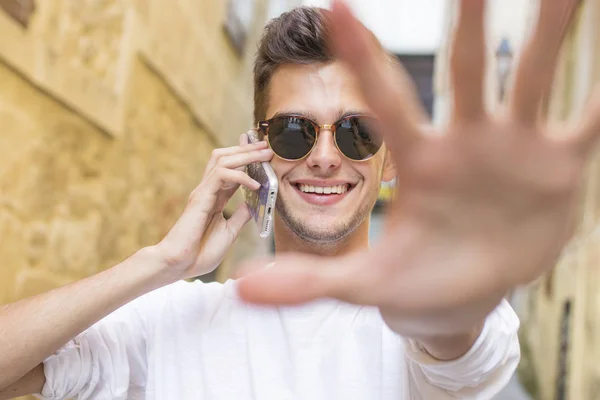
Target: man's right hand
201 237
195 246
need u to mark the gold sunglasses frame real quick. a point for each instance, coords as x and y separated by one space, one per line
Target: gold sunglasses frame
263 127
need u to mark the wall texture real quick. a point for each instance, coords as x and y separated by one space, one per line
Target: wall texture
109 111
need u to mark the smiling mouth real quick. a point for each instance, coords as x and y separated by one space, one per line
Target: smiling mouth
324 190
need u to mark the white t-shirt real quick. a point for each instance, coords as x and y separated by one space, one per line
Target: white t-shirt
200 341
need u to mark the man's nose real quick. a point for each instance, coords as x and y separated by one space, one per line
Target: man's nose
325 156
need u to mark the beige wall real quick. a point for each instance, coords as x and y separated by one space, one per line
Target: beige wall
108 113
576 277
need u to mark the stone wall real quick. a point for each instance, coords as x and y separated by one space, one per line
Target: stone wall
109 111
565 347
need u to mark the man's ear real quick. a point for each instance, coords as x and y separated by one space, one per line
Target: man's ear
389 169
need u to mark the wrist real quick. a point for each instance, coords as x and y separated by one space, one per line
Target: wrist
450 347
156 271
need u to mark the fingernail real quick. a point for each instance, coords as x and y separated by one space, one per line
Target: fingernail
266 151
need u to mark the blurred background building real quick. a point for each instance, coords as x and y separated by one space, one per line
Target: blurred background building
562 317
109 110
560 313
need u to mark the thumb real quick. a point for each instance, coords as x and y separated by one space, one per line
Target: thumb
296 279
236 222
287 282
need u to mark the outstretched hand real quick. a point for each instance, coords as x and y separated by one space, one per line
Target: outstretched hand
485 204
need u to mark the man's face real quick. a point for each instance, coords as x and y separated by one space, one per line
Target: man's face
323 93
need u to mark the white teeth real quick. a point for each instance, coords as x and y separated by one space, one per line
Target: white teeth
339 189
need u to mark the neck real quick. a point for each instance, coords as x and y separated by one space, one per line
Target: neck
288 241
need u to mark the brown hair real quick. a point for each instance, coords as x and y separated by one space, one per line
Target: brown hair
298 36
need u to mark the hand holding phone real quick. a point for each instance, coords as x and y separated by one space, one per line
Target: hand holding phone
202 235
261 202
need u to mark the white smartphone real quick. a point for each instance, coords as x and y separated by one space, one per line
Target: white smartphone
261 202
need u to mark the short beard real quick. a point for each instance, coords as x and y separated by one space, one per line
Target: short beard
323 237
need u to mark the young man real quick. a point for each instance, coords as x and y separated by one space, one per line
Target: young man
483 207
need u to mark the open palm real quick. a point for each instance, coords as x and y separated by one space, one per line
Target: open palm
485 204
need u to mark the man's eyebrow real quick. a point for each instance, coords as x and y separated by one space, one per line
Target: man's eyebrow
307 114
347 113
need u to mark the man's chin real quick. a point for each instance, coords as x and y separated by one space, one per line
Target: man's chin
320 236
325 228
322 231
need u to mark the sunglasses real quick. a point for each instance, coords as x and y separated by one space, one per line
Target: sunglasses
293 137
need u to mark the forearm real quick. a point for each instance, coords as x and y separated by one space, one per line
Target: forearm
445 335
484 367
32 382
34 328
452 346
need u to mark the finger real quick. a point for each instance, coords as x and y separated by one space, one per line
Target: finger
227 151
281 286
225 175
587 134
468 61
294 279
244 139
206 192
386 87
203 198
243 159
536 70
237 221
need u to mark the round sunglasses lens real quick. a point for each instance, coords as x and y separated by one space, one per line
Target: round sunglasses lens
356 139
291 138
